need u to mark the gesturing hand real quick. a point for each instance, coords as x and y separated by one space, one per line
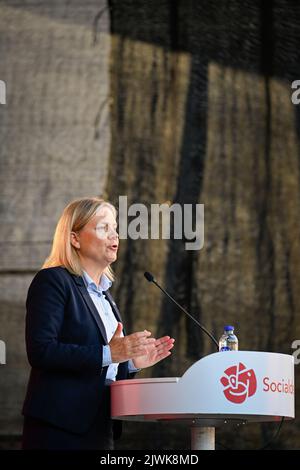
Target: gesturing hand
160 351
123 348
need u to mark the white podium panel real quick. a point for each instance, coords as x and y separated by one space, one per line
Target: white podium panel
243 385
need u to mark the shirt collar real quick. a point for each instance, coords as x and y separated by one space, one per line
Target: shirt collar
105 282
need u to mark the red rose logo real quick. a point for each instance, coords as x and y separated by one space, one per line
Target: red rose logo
239 383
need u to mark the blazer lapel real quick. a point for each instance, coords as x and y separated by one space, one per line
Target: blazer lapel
113 305
90 304
115 309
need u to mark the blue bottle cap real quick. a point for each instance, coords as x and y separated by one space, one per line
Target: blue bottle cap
228 328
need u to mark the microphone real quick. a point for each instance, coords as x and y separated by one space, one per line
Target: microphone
150 278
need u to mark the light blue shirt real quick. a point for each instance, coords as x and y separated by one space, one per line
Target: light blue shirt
108 319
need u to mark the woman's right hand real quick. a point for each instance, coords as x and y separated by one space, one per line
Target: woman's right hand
123 348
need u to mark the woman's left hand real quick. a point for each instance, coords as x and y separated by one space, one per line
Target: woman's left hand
160 351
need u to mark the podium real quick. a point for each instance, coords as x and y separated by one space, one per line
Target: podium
236 386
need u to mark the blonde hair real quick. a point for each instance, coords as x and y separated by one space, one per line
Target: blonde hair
74 217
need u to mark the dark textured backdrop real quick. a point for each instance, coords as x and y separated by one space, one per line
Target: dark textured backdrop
201 112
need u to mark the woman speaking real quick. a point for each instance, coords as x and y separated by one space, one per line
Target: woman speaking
75 341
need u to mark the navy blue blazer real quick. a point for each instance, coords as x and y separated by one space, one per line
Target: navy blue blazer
64 341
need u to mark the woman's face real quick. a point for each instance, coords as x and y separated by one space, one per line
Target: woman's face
98 240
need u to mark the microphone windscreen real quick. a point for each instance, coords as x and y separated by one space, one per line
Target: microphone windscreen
149 276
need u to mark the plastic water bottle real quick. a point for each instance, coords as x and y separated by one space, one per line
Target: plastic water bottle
228 340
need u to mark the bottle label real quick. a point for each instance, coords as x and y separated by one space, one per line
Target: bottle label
225 348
